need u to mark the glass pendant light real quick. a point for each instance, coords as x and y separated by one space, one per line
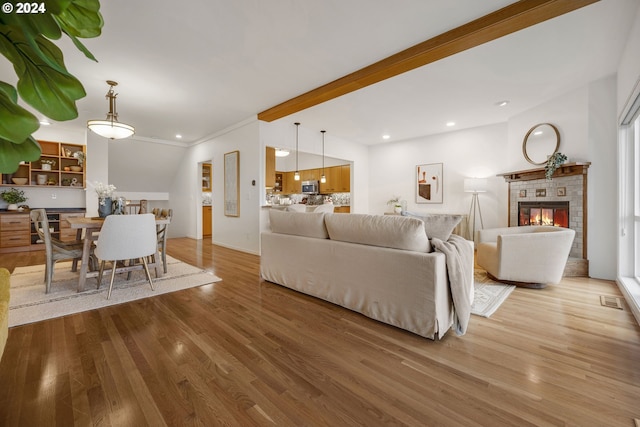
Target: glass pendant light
323 178
111 128
296 176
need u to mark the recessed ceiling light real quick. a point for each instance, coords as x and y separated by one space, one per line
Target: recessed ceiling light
385 136
449 124
502 103
178 136
44 122
536 133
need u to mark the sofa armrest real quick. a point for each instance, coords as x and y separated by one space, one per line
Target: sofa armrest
4 308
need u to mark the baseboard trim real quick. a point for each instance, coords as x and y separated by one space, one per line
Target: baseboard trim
630 289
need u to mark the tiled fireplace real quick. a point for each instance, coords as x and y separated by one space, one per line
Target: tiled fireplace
562 201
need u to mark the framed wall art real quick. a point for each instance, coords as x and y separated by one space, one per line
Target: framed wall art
231 187
429 185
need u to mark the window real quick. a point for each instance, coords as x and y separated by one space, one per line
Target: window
629 179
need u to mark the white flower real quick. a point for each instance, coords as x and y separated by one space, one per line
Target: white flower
104 191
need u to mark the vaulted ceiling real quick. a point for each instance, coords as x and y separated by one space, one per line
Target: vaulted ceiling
195 68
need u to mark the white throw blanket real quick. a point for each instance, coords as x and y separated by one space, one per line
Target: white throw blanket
459 259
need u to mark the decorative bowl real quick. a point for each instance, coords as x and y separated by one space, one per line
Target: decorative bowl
19 181
76 168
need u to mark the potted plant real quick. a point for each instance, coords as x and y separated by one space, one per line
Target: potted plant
395 204
553 162
13 197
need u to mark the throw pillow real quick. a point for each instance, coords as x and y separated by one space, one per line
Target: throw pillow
439 226
378 230
299 224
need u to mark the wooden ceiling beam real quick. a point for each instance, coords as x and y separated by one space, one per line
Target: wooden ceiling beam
502 22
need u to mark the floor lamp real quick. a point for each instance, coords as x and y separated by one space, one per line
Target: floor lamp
475 186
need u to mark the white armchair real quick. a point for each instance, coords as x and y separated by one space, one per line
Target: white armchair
528 256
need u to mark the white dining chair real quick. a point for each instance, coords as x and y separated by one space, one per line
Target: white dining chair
326 207
126 237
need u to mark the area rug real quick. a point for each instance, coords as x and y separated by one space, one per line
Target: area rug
488 294
29 303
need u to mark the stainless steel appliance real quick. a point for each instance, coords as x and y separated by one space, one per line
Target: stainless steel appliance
310 187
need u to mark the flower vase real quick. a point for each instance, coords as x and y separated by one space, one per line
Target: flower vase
105 207
397 209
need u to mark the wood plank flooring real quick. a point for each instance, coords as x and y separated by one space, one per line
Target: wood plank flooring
244 352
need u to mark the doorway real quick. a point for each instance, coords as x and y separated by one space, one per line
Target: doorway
206 180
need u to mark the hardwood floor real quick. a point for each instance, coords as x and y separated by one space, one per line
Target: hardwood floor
243 352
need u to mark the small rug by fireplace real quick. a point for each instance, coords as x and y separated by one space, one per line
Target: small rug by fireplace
29 303
488 294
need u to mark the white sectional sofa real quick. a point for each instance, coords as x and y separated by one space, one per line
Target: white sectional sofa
381 266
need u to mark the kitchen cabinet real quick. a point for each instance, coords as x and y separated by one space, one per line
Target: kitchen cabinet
290 185
338 180
270 170
310 175
60 165
206 177
345 179
342 209
206 221
334 180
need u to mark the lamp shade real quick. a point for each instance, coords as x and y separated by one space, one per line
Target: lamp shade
110 129
475 185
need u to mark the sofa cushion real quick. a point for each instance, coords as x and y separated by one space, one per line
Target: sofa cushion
299 224
379 230
439 226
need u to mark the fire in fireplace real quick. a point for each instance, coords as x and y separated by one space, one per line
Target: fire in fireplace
544 213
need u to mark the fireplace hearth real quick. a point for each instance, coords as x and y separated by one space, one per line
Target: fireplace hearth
544 213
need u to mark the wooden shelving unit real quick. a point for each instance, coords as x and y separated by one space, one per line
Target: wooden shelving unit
62 158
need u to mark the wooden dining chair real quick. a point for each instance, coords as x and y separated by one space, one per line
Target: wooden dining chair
161 232
55 249
126 237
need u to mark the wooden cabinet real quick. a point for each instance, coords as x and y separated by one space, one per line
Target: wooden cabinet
338 180
14 231
345 179
206 221
310 175
342 209
206 177
270 170
60 165
18 233
290 185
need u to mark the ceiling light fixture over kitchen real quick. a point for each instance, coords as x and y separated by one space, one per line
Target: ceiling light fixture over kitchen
296 176
111 128
323 178
282 152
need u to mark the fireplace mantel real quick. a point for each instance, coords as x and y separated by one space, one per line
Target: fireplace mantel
566 169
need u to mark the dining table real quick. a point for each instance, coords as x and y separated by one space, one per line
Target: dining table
91 227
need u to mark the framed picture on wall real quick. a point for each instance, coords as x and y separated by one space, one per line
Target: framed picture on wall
231 186
429 185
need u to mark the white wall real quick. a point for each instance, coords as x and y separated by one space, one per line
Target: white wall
478 152
241 233
585 119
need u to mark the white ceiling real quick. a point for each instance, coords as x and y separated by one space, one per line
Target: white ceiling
198 67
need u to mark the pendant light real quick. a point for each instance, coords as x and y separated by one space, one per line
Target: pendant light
111 128
296 176
323 178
